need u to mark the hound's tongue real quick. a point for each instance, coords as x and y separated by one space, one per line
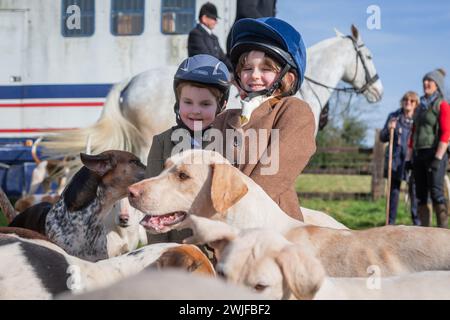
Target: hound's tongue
159 222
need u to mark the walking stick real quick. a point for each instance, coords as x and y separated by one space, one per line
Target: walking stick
388 192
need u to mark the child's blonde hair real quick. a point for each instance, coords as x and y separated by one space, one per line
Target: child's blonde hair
287 86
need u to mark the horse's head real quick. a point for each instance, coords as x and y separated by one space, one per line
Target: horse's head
361 72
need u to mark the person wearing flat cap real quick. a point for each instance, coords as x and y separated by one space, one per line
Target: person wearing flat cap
201 39
430 142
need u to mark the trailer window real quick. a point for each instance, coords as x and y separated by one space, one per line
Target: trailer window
77 18
177 16
127 17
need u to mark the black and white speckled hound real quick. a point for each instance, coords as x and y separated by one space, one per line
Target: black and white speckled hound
75 222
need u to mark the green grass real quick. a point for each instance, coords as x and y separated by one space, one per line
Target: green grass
355 214
358 214
333 183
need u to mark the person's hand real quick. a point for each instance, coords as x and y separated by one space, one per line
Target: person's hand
392 124
435 164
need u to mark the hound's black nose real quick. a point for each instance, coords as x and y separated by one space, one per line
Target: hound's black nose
123 222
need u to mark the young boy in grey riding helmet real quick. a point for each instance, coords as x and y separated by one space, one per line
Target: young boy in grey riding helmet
201 86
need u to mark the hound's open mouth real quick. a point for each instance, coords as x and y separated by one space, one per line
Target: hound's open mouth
158 223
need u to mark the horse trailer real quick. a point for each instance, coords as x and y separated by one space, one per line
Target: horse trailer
59 58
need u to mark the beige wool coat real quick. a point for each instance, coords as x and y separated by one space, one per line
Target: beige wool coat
295 123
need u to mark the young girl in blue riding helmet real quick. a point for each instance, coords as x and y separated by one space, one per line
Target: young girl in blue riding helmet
201 86
269 61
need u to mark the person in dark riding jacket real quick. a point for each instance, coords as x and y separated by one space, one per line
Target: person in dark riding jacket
430 143
401 121
202 40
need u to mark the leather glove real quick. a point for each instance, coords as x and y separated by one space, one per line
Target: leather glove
435 164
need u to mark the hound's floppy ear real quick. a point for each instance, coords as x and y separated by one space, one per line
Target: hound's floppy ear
100 164
186 257
302 271
355 33
227 186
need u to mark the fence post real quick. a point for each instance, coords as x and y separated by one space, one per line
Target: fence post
377 167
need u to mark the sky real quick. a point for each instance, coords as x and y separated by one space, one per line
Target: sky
414 38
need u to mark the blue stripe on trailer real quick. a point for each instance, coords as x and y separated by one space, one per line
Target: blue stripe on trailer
55 91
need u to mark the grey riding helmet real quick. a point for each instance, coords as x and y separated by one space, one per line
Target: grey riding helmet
204 69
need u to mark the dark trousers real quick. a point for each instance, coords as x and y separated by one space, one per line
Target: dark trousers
394 197
429 181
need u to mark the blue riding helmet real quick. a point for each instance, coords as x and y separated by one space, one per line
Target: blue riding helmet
273 36
204 69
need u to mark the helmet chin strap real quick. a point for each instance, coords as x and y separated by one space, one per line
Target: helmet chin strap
266 92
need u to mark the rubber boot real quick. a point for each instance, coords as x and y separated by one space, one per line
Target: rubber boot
424 215
441 215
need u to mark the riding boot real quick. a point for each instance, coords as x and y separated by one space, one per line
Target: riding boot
441 215
424 215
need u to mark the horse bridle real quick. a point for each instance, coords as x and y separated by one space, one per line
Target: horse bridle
369 79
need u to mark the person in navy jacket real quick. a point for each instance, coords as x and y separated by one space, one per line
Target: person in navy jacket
402 122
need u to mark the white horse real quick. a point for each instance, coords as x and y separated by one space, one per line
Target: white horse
139 108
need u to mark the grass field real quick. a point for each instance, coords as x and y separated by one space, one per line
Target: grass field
357 214
333 183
